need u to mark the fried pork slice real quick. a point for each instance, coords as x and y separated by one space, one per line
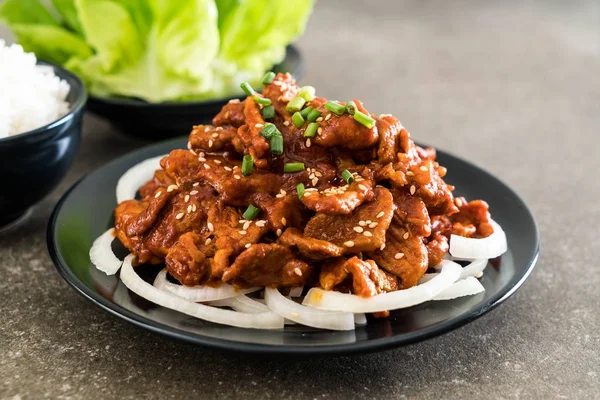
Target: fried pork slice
232 114
271 265
403 255
126 211
391 137
437 248
188 260
249 133
362 230
367 279
215 138
472 220
160 180
282 211
310 248
280 92
340 200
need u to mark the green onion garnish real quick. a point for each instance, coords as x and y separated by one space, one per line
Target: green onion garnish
348 177
307 93
247 89
311 129
251 213
305 112
313 115
350 107
268 78
297 120
364 119
300 189
262 100
247 164
269 130
293 167
295 104
335 108
268 112
277 145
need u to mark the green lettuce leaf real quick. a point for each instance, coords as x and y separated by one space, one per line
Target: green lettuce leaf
25 12
67 10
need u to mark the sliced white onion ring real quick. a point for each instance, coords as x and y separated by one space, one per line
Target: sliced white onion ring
102 256
335 301
474 268
339 321
489 247
265 320
464 287
200 293
360 319
242 303
296 291
136 176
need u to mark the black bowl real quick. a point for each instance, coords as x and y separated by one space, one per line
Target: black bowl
154 121
34 162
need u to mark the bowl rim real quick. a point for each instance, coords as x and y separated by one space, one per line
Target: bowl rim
76 106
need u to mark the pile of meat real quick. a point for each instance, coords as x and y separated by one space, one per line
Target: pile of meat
379 233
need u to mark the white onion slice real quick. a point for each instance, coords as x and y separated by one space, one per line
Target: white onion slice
135 177
340 321
242 303
360 319
102 256
199 293
297 291
464 287
330 300
265 320
489 247
474 268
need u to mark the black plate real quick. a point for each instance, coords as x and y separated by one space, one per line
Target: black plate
154 121
86 211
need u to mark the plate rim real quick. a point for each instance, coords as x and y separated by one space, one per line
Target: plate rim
256 348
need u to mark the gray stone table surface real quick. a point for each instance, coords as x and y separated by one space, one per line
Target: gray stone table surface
512 86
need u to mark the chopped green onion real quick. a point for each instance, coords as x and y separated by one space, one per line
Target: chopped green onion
300 189
311 129
335 108
277 145
350 107
348 177
251 213
313 115
307 93
364 119
305 112
268 78
297 120
247 89
268 112
247 164
295 104
262 100
269 130
293 167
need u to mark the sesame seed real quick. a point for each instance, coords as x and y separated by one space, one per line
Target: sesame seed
171 188
413 189
283 192
228 168
189 145
311 176
246 225
193 192
327 117
283 221
405 236
362 223
237 177
219 128
210 226
367 234
297 271
423 168
157 195
358 229
201 154
427 228
286 123
261 223
277 83
179 216
279 196
315 181
349 243
207 129
210 143
362 187
193 207
319 131
242 221
215 135
382 247
381 214
319 119
186 198
398 256
242 232
217 161
206 166
373 225
248 245
368 221
196 184
279 232
201 159
234 101
258 125
207 241
318 174
189 208
479 274
409 173
458 202
308 143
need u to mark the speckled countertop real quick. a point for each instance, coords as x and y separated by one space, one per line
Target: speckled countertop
511 85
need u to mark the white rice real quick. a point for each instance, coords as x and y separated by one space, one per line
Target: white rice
31 96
